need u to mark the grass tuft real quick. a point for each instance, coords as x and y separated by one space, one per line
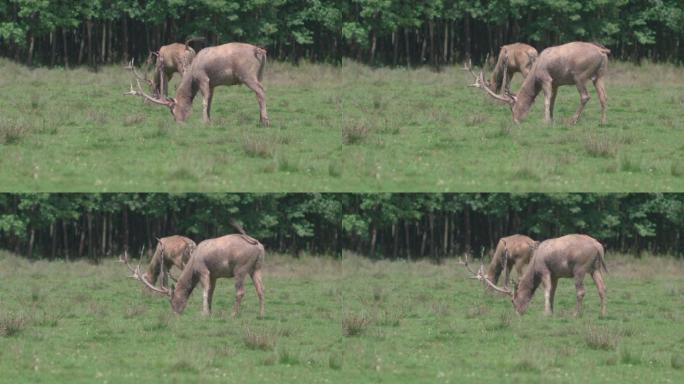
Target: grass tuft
600 146
286 357
677 361
13 131
259 340
628 357
355 132
12 324
355 324
601 338
335 361
256 146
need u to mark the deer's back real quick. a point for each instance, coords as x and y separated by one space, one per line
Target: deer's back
564 256
227 64
223 255
572 61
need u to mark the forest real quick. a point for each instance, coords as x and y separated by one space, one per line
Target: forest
387 226
378 32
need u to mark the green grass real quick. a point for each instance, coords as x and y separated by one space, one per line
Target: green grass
348 128
348 321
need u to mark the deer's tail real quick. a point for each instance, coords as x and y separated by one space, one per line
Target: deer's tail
193 39
244 234
602 259
260 54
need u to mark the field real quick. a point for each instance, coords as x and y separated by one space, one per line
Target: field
347 128
349 321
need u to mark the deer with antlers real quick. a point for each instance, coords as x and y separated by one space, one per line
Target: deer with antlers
513 58
227 64
567 64
572 256
236 255
511 251
171 251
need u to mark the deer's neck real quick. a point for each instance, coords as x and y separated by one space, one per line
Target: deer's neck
495 267
187 89
187 281
528 92
155 265
529 282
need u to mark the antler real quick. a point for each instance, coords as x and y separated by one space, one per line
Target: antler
131 67
140 91
480 83
480 275
140 277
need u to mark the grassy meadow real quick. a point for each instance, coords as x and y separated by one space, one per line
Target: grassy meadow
332 321
347 128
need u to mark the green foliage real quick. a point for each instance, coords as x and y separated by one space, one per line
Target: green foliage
325 29
389 225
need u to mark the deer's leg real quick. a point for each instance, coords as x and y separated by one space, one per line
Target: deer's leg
554 93
584 98
258 89
554 285
259 286
579 287
207 94
548 95
548 284
208 284
601 287
507 272
603 98
239 292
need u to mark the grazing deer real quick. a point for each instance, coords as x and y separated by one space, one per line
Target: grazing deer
567 64
237 255
514 250
171 58
171 251
227 64
572 256
513 58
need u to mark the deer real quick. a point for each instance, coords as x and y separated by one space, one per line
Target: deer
171 58
171 251
572 63
227 64
234 255
571 256
513 58
514 250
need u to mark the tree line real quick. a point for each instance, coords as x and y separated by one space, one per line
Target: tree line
392 226
379 32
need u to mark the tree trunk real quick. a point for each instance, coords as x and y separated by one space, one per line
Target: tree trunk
66 240
53 237
32 238
431 223
407 44
89 36
445 48
467 49
124 27
466 227
53 49
125 229
408 240
395 48
374 44
66 52
81 245
395 238
32 43
104 235
89 218
445 240
81 49
374 237
103 48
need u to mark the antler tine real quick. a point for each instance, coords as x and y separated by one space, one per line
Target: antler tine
131 67
480 275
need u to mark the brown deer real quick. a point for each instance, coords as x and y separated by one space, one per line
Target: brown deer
572 256
567 64
171 251
513 58
237 255
227 64
171 58
514 250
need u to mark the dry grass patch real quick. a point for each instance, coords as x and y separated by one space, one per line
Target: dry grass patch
255 146
355 132
601 338
12 324
13 131
600 146
354 324
259 340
